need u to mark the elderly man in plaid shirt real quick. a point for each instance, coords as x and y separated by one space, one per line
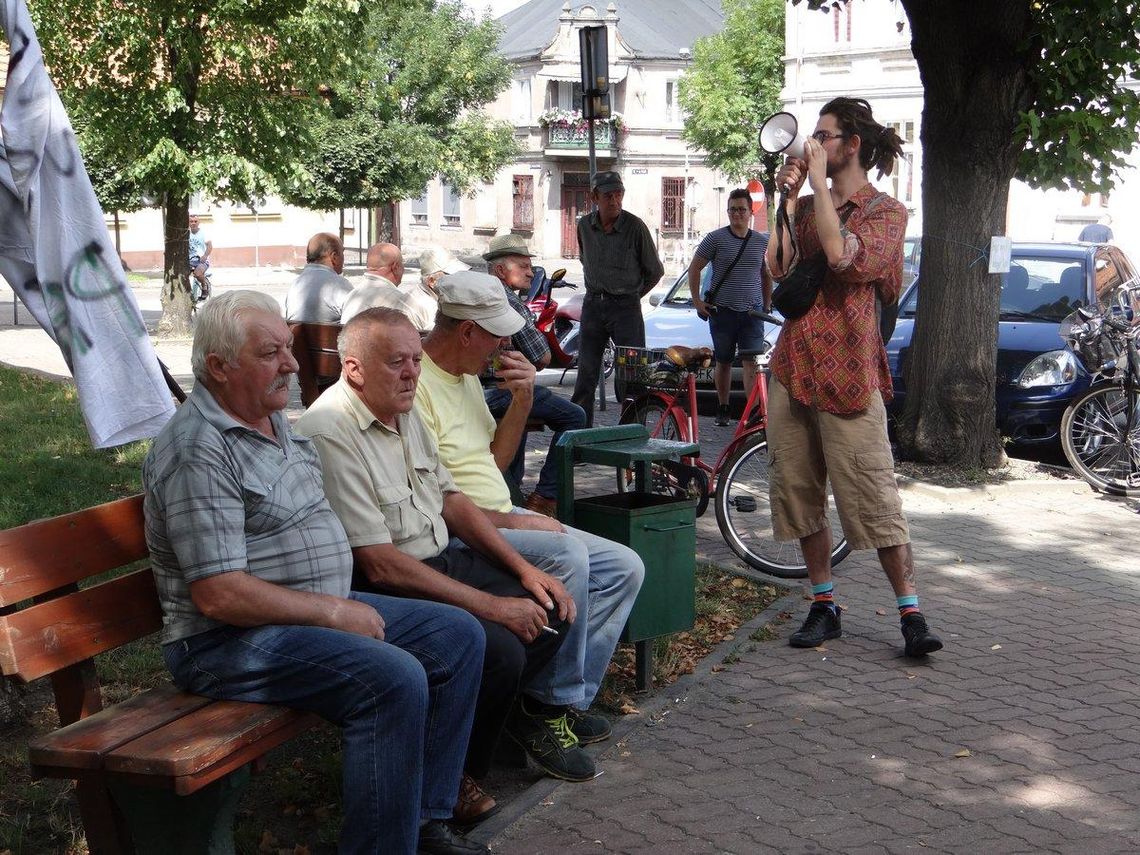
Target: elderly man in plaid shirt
508 259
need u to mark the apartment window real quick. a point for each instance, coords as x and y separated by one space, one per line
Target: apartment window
420 208
522 195
567 95
672 106
672 204
902 179
450 199
521 107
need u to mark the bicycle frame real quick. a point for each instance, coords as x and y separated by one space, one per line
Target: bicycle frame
682 405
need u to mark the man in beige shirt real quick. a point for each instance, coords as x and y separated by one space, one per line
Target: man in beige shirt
380 285
414 534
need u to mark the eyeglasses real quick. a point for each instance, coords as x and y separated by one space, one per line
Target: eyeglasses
823 136
739 210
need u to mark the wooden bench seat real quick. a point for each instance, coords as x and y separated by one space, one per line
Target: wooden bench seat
50 627
318 361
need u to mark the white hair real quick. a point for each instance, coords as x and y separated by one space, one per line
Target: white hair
221 329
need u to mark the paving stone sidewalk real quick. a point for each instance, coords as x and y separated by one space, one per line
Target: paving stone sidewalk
1023 735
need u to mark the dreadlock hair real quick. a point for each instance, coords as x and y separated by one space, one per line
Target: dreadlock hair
878 145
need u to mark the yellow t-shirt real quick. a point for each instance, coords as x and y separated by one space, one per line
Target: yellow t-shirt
454 410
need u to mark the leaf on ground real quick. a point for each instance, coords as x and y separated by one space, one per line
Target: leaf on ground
880 612
716 668
627 708
965 752
547 802
996 647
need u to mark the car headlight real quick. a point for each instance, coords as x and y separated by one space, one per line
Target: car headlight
1055 368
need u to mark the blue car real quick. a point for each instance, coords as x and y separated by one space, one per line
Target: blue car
1037 376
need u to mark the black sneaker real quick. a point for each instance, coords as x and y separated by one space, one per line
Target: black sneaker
919 639
589 728
821 624
722 418
436 838
549 742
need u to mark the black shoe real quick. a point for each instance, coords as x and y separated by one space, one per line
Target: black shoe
821 624
722 417
549 741
919 639
587 727
436 838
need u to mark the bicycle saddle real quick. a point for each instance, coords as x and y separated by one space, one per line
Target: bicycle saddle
689 357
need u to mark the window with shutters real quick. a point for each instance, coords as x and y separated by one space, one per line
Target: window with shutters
522 195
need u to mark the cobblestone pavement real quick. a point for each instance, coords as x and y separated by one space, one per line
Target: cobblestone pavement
1021 736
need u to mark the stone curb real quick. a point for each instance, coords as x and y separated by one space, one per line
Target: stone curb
652 712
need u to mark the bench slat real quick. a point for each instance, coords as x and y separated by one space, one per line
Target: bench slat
207 743
51 635
83 745
48 554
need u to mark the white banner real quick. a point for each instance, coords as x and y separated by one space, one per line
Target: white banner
56 253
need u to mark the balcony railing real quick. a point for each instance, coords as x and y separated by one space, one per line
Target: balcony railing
576 137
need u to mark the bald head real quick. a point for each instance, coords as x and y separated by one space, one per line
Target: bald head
325 248
384 259
360 334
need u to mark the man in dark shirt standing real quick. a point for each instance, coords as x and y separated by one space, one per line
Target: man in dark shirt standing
620 265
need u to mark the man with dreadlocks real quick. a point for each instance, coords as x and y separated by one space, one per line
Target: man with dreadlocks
829 370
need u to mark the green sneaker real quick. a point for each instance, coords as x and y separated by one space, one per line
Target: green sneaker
589 728
549 742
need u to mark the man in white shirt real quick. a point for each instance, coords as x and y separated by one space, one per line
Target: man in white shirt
380 285
435 262
319 291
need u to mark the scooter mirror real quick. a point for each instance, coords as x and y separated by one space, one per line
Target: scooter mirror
558 275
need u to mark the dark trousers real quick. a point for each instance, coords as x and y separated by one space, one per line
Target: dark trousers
604 317
508 664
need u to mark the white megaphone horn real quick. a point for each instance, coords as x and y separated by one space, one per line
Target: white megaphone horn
780 135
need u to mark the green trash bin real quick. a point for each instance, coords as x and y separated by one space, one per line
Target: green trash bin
661 529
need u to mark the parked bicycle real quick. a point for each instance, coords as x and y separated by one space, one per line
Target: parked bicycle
1100 430
664 383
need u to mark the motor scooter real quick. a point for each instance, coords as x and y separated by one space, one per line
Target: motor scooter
560 323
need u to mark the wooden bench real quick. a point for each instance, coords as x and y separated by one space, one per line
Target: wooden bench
50 627
318 361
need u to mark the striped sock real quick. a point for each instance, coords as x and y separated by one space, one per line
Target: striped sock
825 594
908 605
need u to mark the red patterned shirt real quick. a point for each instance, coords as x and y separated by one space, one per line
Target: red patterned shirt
832 358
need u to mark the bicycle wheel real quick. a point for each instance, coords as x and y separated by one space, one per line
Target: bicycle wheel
745 518
667 478
608 357
1100 434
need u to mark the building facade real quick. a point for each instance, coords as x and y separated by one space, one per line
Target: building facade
546 189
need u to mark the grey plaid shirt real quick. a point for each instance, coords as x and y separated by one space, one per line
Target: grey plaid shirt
221 497
528 341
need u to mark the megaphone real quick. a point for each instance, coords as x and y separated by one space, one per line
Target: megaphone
780 135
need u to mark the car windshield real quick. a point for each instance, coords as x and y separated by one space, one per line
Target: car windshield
1034 289
679 294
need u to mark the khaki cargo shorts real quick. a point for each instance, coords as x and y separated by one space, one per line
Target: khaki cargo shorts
806 447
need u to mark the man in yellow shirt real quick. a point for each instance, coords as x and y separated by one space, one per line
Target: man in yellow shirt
606 576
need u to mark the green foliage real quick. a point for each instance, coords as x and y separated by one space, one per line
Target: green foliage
1083 121
733 84
410 110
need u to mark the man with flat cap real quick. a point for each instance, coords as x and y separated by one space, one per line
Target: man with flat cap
318 293
508 260
620 265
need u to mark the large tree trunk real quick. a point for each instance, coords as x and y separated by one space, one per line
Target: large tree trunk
176 300
974 82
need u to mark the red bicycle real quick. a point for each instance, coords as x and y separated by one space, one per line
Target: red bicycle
664 383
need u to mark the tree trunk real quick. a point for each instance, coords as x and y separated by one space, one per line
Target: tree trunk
974 81
176 300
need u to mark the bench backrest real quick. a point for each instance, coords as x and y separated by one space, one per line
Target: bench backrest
51 627
318 362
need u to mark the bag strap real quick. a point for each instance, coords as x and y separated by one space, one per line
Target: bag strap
710 298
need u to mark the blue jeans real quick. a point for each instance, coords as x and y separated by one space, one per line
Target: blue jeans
404 704
603 577
552 410
734 331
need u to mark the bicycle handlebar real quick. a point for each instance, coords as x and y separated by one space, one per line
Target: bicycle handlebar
764 316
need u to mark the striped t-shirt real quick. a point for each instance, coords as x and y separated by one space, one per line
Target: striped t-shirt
741 290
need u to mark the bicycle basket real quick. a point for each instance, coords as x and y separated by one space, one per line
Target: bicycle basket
647 367
1094 343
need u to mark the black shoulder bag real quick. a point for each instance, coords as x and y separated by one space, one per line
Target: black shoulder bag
710 298
797 291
